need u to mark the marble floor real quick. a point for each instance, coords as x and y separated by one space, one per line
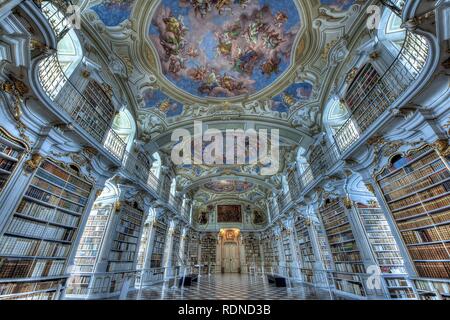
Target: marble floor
229 287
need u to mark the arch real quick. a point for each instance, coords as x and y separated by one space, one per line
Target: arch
173 187
303 167
156 166
125 127
70 52
391 32
335 115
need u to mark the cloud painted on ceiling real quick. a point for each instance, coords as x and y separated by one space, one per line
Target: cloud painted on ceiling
224 48
113 12
157 99
297 92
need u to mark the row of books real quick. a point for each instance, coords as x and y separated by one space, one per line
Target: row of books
23 268
350 267
419 185
121 256
9 151
126 238
426 221
432 234
347 257
347 237
436 270
12 246
53 200
7 165
80 261
73 189
351 287
430 252
38 230
40 212
422 196
158 245
58 191
119 266
415 172
64 175
123 246
18 287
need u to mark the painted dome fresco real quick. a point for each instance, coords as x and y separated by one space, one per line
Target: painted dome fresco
224 48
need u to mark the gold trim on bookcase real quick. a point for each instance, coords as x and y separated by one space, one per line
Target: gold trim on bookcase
35 162
403 154
14 139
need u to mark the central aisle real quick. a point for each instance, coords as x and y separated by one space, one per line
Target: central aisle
230 287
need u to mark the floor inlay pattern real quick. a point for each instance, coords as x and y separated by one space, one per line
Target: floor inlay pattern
229 287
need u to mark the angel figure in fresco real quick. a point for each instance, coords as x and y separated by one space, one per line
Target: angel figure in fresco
272 39
223 5
270 66
172 39
242 3
198 74
246 62
280 19
201 7
254 30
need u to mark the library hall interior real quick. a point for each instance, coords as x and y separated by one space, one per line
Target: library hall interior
224 150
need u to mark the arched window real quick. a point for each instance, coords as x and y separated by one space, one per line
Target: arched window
173 187
336 116
70 53
156 167
391 32
304 170
125 127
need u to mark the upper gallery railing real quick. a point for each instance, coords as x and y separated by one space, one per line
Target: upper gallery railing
66 95
56 12
140 170
401 74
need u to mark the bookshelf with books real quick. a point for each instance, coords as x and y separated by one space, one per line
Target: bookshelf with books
11 153
347 259
193 249
252 250
159 243
305 252
270 248
416 190
125 242
385 250
324 248
208 243
144 244
176 259
38 239
287 248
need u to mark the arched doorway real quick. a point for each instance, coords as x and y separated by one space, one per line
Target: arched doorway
230 250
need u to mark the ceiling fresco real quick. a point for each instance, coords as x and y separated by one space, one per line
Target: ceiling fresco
113 12
228 186
224 48
226 62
